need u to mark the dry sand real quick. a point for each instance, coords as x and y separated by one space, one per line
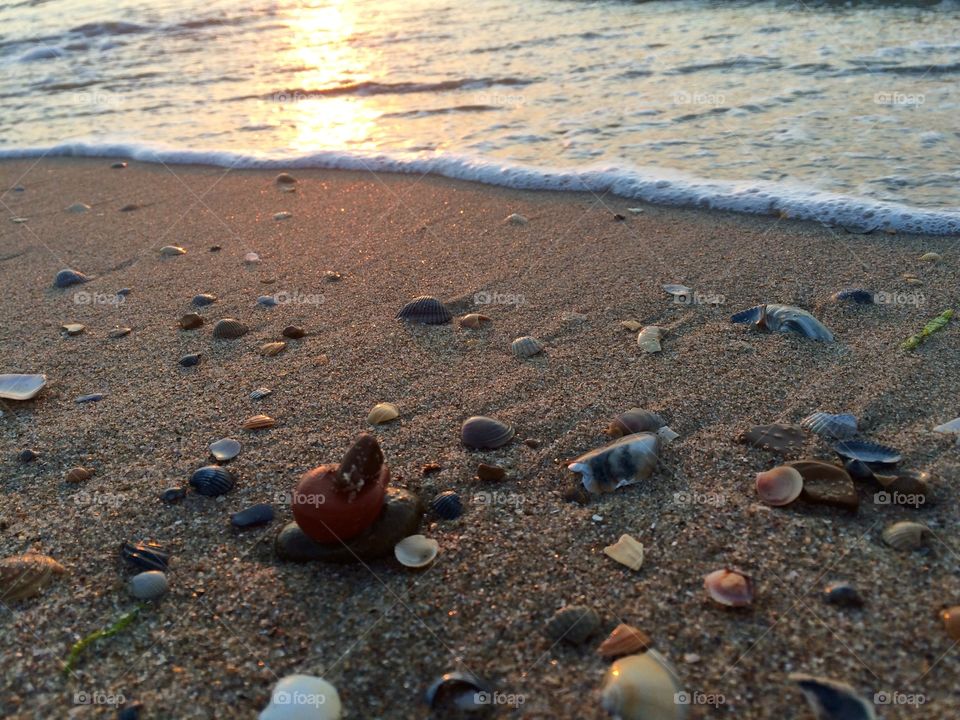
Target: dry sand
236 619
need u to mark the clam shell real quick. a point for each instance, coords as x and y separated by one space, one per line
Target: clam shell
425 310
303 697
482 433
907 535
203 299
649 338
23 576
285 179
474 321
272 349
826 484
229 329
930 257
149 585
868 452
784 319
145 555
68 277
832 700
18 386
779 486
447 505
225 449
119 332
573 624
624 640
458 691
837 427
634 420
383 413
260 393
951 622
73 328
622 462
78 475
626 551
258 422
729 587
526 346
416 551
643 687
856 296
213 480
190 321
172 251
293 332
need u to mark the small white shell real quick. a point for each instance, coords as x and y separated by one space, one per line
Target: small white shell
643 687
17 386
526 346
225 449
649 338
779 486
626 551
172 251
632 325
73 328
149 585
516 219
416 551
251 258
382 413
678 291
907 535
303 697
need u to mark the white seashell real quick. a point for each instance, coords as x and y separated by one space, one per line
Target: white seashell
626 551
303 697
649 338
251 258
952 427
516 219
149 585
73 328
779 486
225 449
382 413
78 207
526 346
906 535
643 687
416 551
838 427
635 211
18 386
283 215
172 251
622 462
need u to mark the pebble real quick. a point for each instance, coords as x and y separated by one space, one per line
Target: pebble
119 332
283 215
78 475
490 473
294 332
173 495
149 585
73 329
267 301
203 299
843 594
130 712
27 455
260 514
190 360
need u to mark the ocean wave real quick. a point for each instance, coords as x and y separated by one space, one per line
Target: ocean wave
372 87
665 187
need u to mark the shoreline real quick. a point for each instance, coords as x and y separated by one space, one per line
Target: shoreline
236 618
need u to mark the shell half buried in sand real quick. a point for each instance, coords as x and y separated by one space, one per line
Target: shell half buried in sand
784 319
18 386
643 687
416 551
626 551
906 535
622 462
650 337
526 347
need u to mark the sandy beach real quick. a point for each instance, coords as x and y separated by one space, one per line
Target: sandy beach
237 619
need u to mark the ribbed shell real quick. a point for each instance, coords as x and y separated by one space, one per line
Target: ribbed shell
203 299
23 576
259 422
867 452
213 480
573 624
526 346
447 505
382 413
907 535
624 640
68 277
145 555
484 433
260 393
425 310
838 427
626 551
230 329
474 321
273 348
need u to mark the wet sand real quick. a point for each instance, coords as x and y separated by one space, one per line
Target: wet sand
236 619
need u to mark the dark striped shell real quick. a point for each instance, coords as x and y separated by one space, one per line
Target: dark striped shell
229 329
856 296
634 420
456 691
145 555
867 452
485 433
447 505
213 480
425 310
203 299
68 277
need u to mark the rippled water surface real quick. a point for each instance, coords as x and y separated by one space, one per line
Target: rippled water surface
790 97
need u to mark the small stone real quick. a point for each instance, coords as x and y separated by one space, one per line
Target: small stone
576 493
78 475
843 594
27 455
173 495
119 332
260 514
149 585
190 360
293 332
490 473
215 248
331 276
430 468
532 443
516 219
203 299
190 321
283 215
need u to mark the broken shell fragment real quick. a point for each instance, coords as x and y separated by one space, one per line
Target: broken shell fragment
190 321
573 624
623 462
826 484
383 413
634 420
643 687
679 292
225 449
907 535
272 349
867 452
19 386
832 700
837 427
425 310
624 640
229 329
484 433
23 576
526 346
260 393
259 422
474 321
416 551
729 587
626 551
516 219
779 486
650 337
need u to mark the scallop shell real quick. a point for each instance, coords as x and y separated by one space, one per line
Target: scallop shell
213 480
172 251
634 420
78 475
729 587
225 449
293 332
23 576
526 346
145 555
779 486
857 296
785 319
67 277
416 551
149 585
622 462
837 427
229 329
190 321
832 700
907 535
447 505
573 624
474 321
626 551
383 413
18 386
650 337
425 310
643 687
624 640
271 349
868 452
203 299
258 422
951 622
484 433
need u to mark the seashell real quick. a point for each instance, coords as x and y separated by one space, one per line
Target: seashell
867 452
149 585
119 332
490 473
282 215
251 258
213 480
777 437
826 484
190 321
631 325
785 319
171 496
145 555
779 486
516 219
229 329
68 277
484 433
23 576
951 622
203 299
215 248
77 207
649 338
18 386
285 179
27 455
425 310
383 413
447 505
729 587
624 640
843 594
259 422
78 475
332 276
622 462
293 332
225 449
626 551
526 346
678 291
832 700
123 292
643 687
950 428
172 251
573 624
460 692
272 349
474 321
634 420
416 551
91 397
303 697
260 393
857 296
837 427
931 257
267 301
907 535
190 360
255 515
73 329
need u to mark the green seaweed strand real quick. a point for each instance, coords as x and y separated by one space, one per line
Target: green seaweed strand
938 323
121 624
